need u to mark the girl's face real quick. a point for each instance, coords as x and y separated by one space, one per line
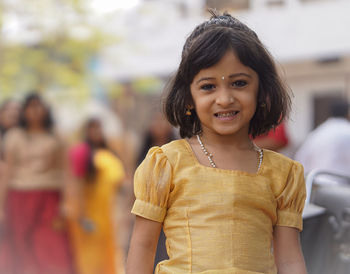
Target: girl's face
225 96
35 113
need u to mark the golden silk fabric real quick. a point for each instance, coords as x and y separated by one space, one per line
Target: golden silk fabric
216 220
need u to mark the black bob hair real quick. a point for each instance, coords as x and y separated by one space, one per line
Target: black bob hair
48 120
205 46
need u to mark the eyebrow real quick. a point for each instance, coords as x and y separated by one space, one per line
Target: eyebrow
230 76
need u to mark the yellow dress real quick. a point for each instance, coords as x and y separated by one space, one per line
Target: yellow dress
96 251
216 220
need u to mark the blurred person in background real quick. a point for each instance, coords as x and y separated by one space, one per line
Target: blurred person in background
276 139
34 238
159 133
328 146
98 174
9 115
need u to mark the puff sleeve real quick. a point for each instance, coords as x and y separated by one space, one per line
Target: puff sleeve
290 202
152 181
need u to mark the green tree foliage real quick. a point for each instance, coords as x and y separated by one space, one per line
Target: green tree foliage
58 61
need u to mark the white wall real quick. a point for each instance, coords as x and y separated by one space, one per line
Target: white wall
308 79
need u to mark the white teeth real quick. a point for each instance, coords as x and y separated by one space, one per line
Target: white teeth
227 114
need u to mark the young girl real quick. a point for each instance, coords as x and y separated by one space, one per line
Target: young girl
226 205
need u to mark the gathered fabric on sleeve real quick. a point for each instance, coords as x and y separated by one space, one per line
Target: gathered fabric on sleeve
290 202
152 183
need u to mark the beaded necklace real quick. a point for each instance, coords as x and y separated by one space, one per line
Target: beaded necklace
210 156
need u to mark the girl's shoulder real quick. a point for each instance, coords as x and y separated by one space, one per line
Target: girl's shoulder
279 165
277 159
176 153
280 168
176 145
176 150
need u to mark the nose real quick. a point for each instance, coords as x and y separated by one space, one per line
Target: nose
225 97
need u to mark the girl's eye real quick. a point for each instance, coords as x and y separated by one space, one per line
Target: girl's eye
208 87
239 83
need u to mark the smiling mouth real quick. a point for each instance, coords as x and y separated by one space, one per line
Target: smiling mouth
226 114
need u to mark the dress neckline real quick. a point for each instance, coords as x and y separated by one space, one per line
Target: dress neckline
232 171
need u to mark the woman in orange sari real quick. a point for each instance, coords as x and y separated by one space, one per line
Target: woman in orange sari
98 173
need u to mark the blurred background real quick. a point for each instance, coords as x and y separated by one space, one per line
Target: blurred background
84 55
111 60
